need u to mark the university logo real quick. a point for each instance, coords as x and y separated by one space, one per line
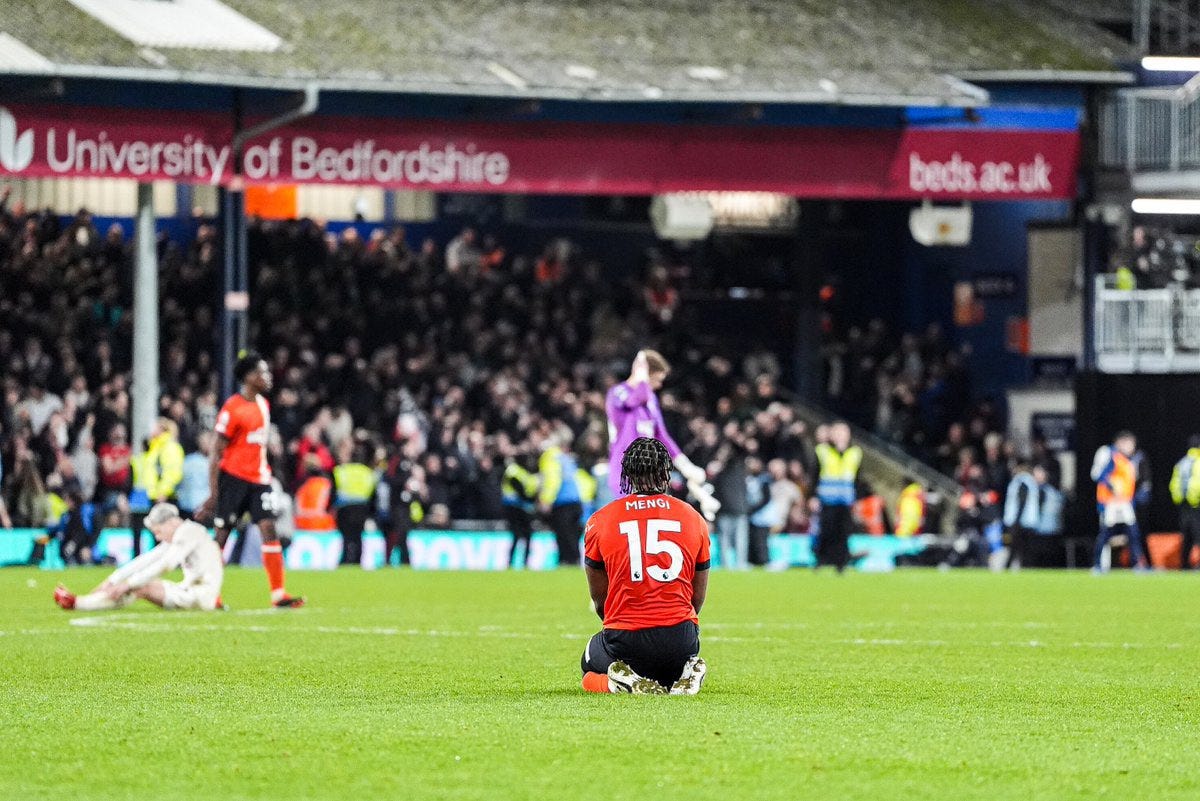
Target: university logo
16 150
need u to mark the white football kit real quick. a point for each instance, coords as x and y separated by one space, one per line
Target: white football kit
190 548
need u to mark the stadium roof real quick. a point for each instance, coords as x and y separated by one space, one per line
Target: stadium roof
871 52
1109 11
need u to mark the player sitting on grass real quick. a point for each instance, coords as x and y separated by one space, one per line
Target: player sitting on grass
646 556
182 543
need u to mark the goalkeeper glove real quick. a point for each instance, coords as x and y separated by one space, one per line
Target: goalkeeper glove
690 472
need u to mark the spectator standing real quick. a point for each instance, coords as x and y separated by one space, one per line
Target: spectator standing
85 462
29 508
157 472
782 496
910 510
995 464
312 444
661 299
77 531
115 471
1116 477
559 498
519 490
354 484
757 498
39 406
339 426
462 253
730 487
5 520
192 491
837 491
1032 508
409 499
313 498
1185 492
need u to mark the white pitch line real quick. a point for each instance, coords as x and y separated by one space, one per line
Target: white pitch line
123 622
184 621
1007 644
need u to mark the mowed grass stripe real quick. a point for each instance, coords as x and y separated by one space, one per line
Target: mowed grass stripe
402 684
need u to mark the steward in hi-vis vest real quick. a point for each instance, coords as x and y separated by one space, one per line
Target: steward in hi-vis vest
837 490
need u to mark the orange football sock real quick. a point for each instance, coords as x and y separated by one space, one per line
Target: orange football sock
272 558
595 682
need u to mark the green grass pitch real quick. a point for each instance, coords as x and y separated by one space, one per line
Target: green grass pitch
411 685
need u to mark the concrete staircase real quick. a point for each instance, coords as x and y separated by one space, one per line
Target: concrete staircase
886 466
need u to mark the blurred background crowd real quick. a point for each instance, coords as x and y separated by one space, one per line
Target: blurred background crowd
1148 257
435 365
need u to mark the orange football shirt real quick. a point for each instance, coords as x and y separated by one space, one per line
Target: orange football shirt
245 424
651 547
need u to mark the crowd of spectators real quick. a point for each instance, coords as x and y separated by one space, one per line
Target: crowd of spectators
433 364
911 390
914 391
1145 257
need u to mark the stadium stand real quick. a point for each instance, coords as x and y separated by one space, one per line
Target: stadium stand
452 360
475 353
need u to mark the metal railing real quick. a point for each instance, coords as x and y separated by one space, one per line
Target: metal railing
1166 27
1147 330
1151 129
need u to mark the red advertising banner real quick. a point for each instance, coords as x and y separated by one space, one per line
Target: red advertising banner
546 158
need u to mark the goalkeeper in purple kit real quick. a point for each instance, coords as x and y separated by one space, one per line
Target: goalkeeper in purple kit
633 412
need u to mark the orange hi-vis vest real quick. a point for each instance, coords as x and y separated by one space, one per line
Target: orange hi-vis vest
1122 481
869 511
312 505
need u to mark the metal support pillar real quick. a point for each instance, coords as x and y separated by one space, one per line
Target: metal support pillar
235 297
145 320
806 278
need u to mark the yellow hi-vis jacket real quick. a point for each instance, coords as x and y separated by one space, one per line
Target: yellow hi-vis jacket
839 474
159 470
560 478
910 514
354 483
1185 480
518 487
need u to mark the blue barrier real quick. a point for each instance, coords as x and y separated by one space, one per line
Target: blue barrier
455 550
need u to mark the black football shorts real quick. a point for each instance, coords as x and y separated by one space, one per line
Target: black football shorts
237 497
657 653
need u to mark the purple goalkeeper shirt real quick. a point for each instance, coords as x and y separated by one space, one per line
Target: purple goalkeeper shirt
633 412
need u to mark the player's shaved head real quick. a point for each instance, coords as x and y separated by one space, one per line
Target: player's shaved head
645 468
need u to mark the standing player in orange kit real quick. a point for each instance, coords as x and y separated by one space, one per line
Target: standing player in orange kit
646 557
239 475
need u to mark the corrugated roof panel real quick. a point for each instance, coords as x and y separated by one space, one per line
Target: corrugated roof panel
16 56
194 24
862 52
